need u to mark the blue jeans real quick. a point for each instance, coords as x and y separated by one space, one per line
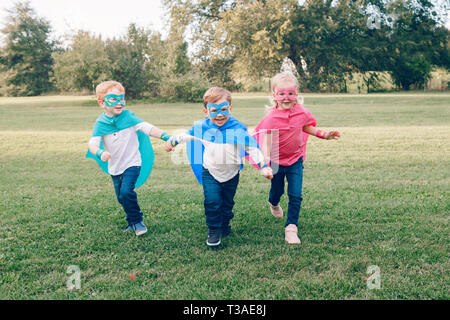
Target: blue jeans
294 176
219 200
124 185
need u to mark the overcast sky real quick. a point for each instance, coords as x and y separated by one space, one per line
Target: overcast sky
106 17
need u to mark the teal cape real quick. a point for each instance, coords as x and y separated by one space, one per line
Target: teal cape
105 125
233 132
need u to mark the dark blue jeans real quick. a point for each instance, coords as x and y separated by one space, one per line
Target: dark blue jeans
124 185
219 200
294 176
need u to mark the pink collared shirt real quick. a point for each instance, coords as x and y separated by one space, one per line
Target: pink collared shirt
288 138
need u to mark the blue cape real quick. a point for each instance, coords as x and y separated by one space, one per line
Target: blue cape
105 125
233 132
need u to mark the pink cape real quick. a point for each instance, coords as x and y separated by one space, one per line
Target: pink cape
288 138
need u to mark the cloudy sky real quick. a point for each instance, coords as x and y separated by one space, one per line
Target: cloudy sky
106 17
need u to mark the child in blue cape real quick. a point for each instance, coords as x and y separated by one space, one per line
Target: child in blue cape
215 147
121 145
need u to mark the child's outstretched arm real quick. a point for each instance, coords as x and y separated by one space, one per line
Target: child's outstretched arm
258 156
158 133
173 141
331 135
94 148
266 145
152 131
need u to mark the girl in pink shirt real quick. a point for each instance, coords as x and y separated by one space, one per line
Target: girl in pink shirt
283 132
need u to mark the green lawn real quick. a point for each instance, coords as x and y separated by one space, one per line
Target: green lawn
379 196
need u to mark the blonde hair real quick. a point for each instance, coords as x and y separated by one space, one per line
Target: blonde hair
214 94
280 77
284 76
105 86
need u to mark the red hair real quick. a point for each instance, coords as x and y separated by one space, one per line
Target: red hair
105 86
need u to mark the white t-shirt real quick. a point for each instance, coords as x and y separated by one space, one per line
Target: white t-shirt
223 160
123 146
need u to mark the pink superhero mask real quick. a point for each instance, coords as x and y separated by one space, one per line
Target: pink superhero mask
281 94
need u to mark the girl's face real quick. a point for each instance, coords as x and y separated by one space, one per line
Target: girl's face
285 94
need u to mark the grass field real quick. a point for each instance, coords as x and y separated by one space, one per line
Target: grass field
379 196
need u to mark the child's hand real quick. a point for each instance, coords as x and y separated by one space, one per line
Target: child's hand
168 146
105 156
332 135
267 173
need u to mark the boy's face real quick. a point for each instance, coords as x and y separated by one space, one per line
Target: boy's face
285 94
218 112
113 103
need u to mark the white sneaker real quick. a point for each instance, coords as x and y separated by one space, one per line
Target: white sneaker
139 228
277 212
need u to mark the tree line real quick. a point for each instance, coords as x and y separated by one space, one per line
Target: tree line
232 43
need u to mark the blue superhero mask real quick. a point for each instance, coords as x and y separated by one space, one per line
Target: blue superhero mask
219 107
113 99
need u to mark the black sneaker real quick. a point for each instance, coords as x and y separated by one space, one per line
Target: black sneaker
226 231
213 237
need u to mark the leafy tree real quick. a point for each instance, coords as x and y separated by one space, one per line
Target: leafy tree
413 70
179 80
253 32
126 60
90 60
188 87
218 71
369 39
182 63
418 41
337 38
196 20
176 54
26 58
155 65
83 65
325 38
245 36
126 65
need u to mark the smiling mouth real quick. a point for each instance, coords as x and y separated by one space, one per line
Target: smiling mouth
220 122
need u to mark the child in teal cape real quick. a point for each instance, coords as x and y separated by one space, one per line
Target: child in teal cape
121 146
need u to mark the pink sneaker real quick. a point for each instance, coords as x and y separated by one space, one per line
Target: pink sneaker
277 212
291 236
